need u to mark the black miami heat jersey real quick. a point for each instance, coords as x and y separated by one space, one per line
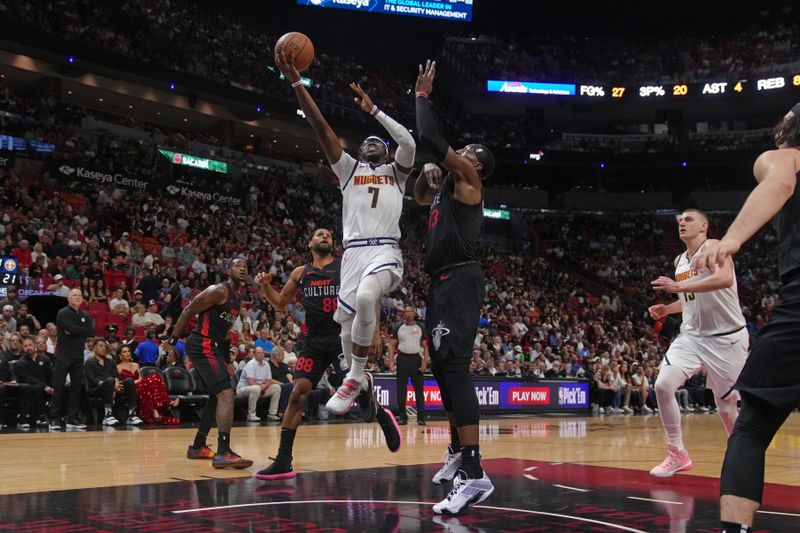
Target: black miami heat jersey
453 229
787 226
215 323
319 289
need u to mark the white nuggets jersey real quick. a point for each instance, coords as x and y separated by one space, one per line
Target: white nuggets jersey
707 313
372 199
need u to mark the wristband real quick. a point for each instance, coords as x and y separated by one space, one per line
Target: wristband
422 94
374 110
297 83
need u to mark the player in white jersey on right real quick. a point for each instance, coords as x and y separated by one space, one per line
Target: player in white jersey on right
713 336
372 191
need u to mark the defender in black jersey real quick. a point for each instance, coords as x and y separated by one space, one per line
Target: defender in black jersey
456 292
208 350
770 380
318 285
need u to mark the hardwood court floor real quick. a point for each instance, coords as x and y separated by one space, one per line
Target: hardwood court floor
41 461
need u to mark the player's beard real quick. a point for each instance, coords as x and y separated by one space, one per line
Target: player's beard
318 249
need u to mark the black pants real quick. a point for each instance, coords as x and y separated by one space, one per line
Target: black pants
3 390
105 391
408 367
63 366
32 400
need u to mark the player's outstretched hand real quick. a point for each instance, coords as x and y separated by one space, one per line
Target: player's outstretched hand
663 283
715 253
286 65
362 99
433 175
658 311
425 77
263 279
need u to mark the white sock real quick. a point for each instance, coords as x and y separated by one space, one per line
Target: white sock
669 379
357 368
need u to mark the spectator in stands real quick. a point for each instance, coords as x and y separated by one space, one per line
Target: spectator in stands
148 351
255 382
38 251
126 293
10 299
118 304
25 318
14 350
95 273
167 327
129 340
139 317
58 288
4 334
24 331
289 357
149 286
86 288
52 337
99 293
23 253
264 341
8 316
7 385
555 371
102 378
152 315
138 298
73 271
281 373
35 374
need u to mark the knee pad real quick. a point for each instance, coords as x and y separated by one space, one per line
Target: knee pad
369 292
462 396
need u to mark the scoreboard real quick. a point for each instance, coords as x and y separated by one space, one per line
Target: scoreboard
9 271
618 91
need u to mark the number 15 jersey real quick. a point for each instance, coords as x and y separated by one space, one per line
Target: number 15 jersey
707 313
372 199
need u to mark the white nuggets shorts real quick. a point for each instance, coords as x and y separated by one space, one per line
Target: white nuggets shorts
723 357
363 260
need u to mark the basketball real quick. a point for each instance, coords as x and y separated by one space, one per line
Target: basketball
298 44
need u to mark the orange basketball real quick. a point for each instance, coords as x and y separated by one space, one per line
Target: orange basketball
298 44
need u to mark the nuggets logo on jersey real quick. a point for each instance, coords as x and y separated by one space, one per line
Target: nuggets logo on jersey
707 313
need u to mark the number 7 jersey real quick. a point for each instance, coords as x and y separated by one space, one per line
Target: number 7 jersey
372 199
707 313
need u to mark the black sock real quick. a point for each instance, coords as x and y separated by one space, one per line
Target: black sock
471 461
223 442
287 443
199 440
733 527
455 442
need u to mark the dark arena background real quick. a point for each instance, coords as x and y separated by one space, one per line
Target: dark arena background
145 144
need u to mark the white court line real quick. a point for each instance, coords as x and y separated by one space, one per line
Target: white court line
526 511
651 500
571 488
556 464
531 477
531 468
780 514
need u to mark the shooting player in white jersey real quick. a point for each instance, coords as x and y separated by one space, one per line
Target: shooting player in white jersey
372 190
713 336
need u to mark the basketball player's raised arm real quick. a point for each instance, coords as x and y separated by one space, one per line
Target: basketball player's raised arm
213 295
469 189
327 138
776 174
279 300
406 146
